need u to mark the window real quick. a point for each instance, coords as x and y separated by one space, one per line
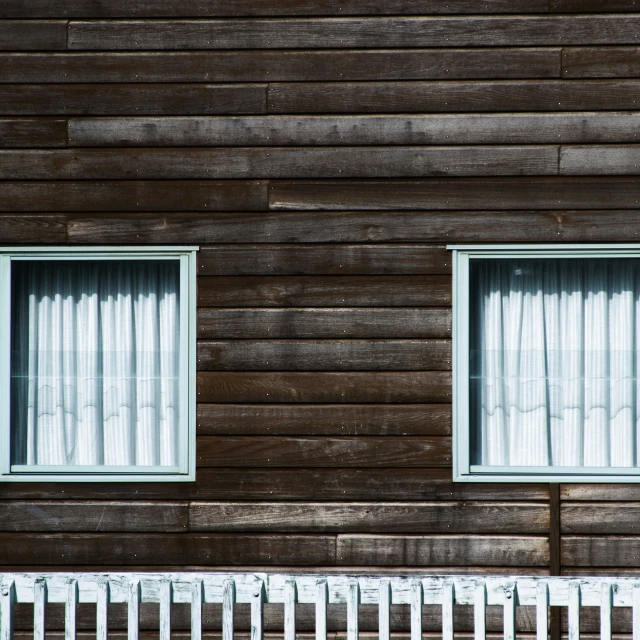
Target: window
547 363
97 364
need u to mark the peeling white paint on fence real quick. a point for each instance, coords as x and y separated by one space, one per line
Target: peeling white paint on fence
321 590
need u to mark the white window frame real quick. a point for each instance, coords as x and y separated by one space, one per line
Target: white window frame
185 470
463 471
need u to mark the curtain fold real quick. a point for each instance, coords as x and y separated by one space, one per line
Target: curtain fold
554 344
95 363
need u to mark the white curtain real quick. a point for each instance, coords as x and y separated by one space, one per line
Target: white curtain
555 371
95 356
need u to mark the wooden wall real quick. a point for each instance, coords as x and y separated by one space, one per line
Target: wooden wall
321 153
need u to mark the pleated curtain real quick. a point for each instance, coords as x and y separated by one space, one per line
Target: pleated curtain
95 363
555 365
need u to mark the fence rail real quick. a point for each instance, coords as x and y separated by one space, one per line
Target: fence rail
352 590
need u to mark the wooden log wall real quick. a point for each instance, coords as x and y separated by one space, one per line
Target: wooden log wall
321 153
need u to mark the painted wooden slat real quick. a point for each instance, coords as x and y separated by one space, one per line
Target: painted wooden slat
353 605
448 596
416 610
257 612
510 597
384 609
605 611
165 610
321 609
7 598
133 610
70 610
480 612
102 610
636 611
39 608
290 598
228 606
574 610
542 612
197 596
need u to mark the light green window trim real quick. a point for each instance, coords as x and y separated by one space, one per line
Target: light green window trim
184 471
463 470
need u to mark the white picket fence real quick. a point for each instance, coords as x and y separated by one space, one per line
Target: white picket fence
258 588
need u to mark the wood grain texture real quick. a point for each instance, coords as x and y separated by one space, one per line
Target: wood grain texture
369 517
453 96
604 492
246 324
33 132
213 8
131 99
32 228
277 162
453 550
605 518
329 420
597 551
600 62
516 225
136 549
333 387
33 35
604 6
335 130
324 355
284 66
336 32
224 483
312 451
323 259
324 291
133 195
481 194
590 160
160 517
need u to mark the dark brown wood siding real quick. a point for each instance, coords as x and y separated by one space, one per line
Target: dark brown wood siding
321 154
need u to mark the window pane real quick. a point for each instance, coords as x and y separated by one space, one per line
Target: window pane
95 362
554 365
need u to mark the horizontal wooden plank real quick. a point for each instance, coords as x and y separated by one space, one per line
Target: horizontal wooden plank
325 451
276 162
324 355
165 549
133 195
605 492
600 62
600 518
329 420
288 484
273 130
324 291
369 517
591 160
324 323
387 226
31 228
453 96
596 551
271 66
33 132
593 6
212 8
333 387
339 33
33 35
162 517
452 550
131 99
480 194
323 259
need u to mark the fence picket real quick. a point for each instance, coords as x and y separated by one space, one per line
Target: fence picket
480 612
257 600
133 610
39 607
196 610
353 604
165 610
321 610
384 609
636 611
102 610
574 611
510 596
290 598
228 605
605 611
416 610
542 611
70 611
447 611
7 599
